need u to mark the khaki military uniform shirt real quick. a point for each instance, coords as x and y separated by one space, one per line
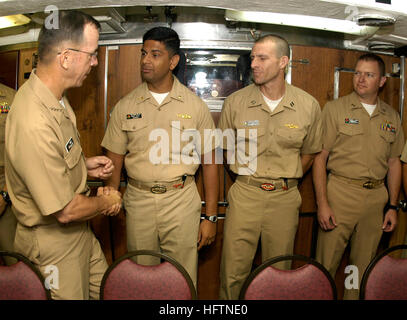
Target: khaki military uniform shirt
45 166
158 139
6 98
292 129
359 145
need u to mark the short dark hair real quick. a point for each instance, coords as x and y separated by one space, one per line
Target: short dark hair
71 25
374 57
165 35
282 46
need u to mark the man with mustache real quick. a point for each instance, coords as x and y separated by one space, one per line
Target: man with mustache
362 143
46 170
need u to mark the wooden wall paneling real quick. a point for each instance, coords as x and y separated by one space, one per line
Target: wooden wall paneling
25 65
9 68
123 75
123 72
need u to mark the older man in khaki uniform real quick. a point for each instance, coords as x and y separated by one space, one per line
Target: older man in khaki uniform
150 130
362 142
46 170
8 221
264 201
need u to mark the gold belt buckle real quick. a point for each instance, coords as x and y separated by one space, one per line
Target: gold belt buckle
368 185
158 189
267 186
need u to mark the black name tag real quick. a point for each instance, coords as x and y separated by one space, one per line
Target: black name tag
69 145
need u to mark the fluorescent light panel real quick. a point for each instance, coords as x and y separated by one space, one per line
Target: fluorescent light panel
13 21
303 21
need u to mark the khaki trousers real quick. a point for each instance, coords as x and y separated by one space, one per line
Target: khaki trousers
167 223
8 224
252 214
69 255
359 215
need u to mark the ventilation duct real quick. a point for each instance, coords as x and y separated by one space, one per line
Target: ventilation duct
374 20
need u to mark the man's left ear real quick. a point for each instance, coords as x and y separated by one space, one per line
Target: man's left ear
284 62
174 61
382 81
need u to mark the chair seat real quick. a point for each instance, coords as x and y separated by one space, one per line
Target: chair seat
127 280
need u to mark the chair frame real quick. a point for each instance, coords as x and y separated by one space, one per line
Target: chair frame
28 263
372 264
160 255
294 257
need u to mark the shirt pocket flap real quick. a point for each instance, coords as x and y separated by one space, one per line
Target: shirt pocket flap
73 156
350 129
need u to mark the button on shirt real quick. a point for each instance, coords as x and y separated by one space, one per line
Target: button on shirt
281 136
360 145
161 142
45 166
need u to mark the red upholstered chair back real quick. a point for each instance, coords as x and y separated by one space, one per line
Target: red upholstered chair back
21 281
385 278
309 282
127 280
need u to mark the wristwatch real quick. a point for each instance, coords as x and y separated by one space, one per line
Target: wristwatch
211 218
391 206
5 196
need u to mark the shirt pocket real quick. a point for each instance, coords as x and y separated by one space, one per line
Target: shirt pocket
183 134
350 129
73 156
290 138
250 137
137 134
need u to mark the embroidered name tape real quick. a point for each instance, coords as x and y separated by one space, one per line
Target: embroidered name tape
134 116
251 123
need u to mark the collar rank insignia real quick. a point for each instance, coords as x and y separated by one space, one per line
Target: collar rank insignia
388 127
251 123
184 116
351 121
5 107
134 116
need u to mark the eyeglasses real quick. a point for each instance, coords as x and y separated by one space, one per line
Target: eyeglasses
91 54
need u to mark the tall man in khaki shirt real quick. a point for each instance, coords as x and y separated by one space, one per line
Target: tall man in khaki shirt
362 142
46 170
150 131
8 221
264 201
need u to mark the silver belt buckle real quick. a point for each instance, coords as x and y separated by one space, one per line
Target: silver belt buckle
158 189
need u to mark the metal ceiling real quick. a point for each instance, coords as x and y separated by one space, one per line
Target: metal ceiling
134 13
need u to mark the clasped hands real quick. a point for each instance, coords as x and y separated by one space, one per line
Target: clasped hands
113 198
101 167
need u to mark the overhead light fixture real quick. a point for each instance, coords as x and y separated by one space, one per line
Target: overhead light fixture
302 21
13 21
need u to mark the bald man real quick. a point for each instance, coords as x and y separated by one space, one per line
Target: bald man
284 123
